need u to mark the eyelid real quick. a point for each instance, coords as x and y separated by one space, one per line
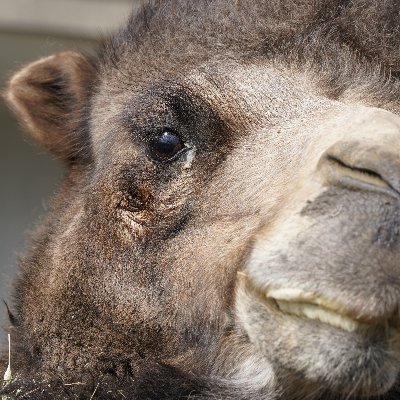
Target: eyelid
174 158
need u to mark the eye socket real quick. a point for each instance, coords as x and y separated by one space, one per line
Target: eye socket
165 146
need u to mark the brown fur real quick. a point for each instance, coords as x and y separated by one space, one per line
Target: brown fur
148 280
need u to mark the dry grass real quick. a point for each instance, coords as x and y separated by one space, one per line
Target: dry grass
8 375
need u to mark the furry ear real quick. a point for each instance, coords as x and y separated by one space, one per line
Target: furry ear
49 97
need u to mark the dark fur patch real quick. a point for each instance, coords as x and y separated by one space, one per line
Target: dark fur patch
326 33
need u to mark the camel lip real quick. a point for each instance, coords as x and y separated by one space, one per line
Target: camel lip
312 306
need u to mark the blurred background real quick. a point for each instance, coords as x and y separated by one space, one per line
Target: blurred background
30 29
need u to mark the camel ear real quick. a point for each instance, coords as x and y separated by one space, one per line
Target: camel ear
49 97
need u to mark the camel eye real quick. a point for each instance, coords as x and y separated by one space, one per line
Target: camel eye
165 147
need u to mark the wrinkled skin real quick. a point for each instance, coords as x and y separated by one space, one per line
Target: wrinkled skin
257 259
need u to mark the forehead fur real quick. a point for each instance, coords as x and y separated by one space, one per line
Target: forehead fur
344 38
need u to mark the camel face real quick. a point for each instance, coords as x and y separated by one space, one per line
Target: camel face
316 286
229 221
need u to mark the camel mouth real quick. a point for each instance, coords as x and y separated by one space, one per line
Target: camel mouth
307 305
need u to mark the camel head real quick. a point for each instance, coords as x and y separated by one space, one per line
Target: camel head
228 225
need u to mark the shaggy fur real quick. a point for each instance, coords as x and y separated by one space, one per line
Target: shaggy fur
130 287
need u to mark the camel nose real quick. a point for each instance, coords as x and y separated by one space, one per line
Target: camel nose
368 156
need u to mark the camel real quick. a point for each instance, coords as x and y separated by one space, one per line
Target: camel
228 223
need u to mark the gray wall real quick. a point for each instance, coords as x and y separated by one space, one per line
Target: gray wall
28 176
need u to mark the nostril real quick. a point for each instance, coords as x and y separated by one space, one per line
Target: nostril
362 173
355 177
368 163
